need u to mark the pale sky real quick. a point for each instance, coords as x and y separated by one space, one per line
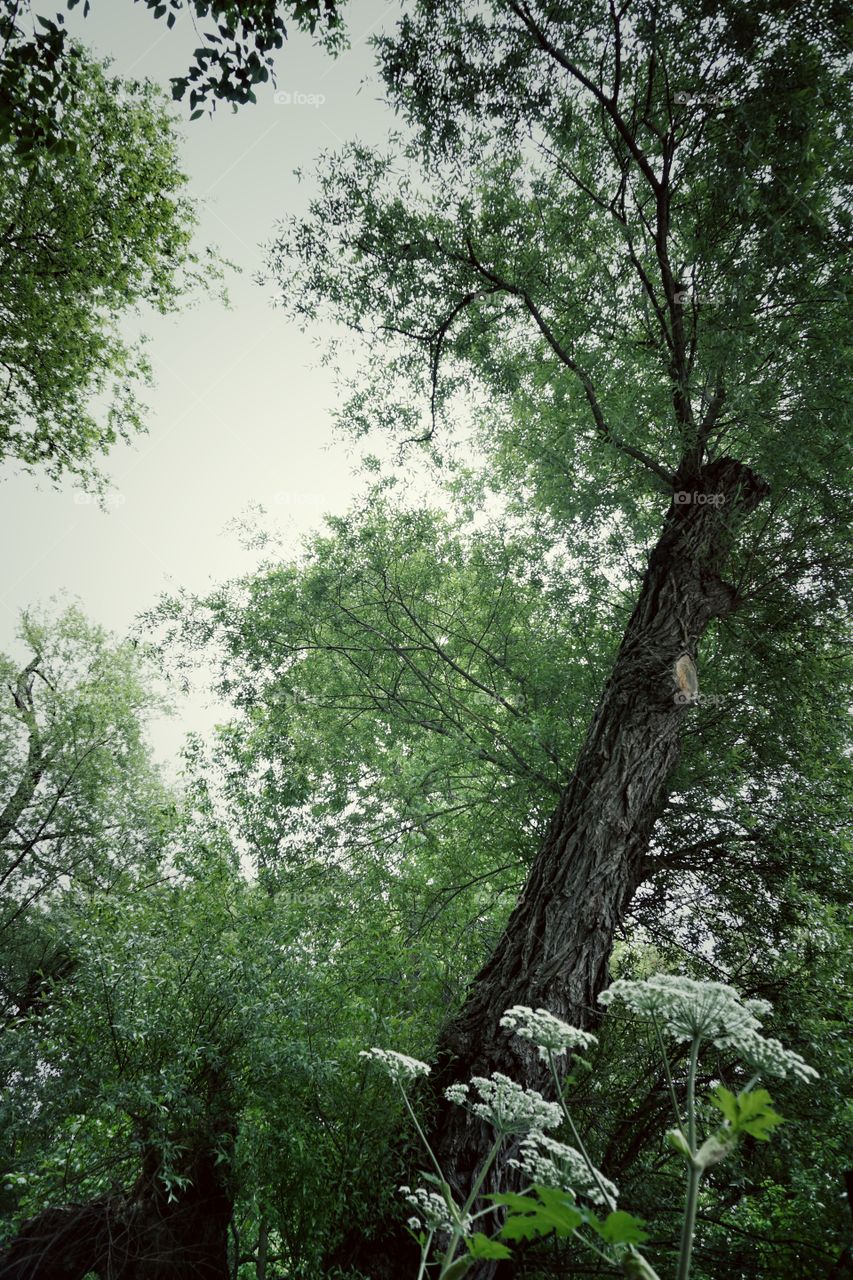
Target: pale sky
240 412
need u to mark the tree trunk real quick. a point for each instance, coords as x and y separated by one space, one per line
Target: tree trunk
263 1250
555 949
143 1236
22 694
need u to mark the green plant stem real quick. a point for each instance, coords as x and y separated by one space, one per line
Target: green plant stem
694 1174
475 1191
424 1255
421 1134
673 1099
584 1240
481 1176
608 1199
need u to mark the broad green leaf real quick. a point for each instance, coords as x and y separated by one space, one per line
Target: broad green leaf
619 1227
545 1211
748 1112
482 1246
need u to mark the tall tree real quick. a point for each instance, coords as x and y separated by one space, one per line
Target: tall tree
167 1030
630 250
99 945
407 699
137 1128
81 806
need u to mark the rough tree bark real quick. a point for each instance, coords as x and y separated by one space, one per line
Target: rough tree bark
555 948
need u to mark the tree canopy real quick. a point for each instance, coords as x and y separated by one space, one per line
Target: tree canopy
38 66
97 225
579 717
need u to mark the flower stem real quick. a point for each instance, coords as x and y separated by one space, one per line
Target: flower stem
475 1191
608 1199
673 1099
425 1248
421 1134
481 1176
694 1174
584 1240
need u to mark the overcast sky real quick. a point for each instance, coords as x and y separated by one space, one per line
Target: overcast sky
240 410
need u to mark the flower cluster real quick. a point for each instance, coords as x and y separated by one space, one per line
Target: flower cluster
770 1058
550 1034
457 1093
709 1011
506 1106
433 1212
400 1067
553 1164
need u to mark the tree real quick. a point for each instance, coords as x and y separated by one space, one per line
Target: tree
641 283
137 1129
176 1103
168 1030
86 826
96 224
81 806
38 69
100 941
408 696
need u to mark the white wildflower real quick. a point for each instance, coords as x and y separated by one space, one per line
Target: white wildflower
709 1011
457 1093
553 1164
434 1212
769 1057
552 1036
508 1107
399 1066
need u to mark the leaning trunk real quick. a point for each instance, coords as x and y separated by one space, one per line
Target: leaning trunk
555 949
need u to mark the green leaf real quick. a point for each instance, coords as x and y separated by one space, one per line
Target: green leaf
724 1100
458 1268
530 1217
482 1246
619 1227
748 1112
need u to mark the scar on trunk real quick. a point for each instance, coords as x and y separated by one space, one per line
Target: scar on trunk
686 679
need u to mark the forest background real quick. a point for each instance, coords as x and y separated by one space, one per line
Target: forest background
556 695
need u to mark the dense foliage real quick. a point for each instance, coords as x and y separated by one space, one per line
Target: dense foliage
97 224
39 62
602 262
